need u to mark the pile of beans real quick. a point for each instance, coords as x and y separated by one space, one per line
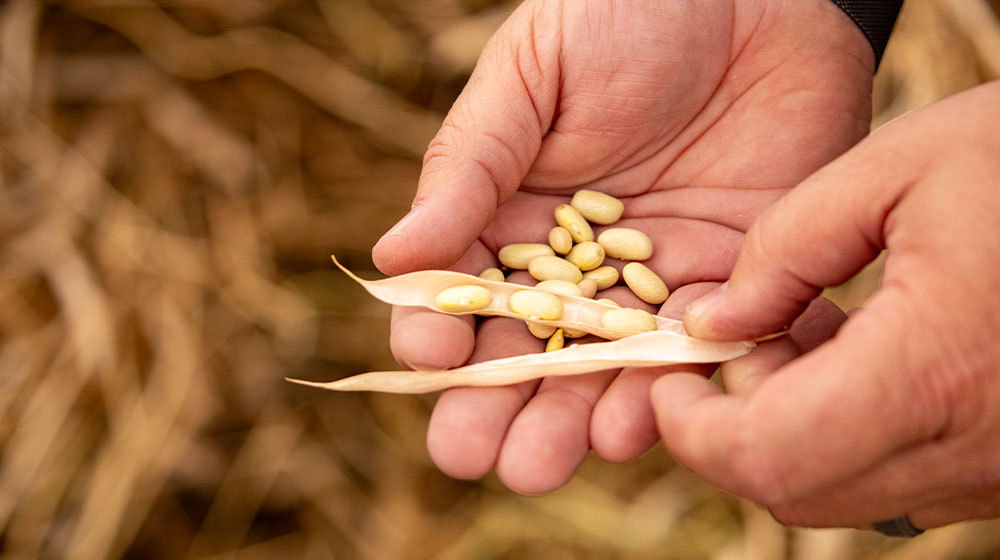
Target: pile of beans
572 264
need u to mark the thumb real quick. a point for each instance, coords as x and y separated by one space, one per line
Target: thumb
486 145
820 234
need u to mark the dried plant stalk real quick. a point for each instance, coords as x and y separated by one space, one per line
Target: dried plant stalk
418 289
654 348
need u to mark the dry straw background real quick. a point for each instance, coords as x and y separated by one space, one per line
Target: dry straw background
173 178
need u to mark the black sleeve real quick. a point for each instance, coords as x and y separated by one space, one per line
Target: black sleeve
875 18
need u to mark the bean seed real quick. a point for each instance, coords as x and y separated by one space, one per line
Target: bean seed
560 287
556 341
535 304
492 274
541 331
586 256
626 243
518 255
645 283
632 321
550 267
606 276
609 301
560 240
597 207
588 286
458 299
571 219
573 333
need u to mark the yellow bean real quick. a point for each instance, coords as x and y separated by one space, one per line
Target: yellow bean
458 299
588 287
539 330
571 219
626 243
597 207
586 256
628 320
560 287
518 255
548 267
645 283
535 304
556 341
560 240
606 276
492 274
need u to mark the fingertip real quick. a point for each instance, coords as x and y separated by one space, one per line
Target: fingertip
426 340
461 440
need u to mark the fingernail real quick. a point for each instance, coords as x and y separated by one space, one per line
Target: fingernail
405 222
705 303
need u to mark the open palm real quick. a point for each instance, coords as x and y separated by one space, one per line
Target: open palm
698 117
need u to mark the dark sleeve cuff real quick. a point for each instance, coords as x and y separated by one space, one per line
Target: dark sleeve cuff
875 18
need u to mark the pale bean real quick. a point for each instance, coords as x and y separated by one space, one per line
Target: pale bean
492 274
536 304
556 341
586 256
628 320
645 283
571 219
626 243
458 299
573 333
560 240
550 267
588 287
606 276
560 287
518 255
609 301
541 331
597 207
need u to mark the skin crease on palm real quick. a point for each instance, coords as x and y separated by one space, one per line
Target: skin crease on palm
697 115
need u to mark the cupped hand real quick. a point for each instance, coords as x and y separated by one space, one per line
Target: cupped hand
698 116
899 414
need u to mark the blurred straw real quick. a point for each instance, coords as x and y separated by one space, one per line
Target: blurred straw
173 177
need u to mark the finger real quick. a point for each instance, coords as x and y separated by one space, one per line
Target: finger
816 325
551 436
818 235
424 339
623 425
469 424
925 482
488 141
787 440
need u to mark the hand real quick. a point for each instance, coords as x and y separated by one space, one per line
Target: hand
899 414
697 117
